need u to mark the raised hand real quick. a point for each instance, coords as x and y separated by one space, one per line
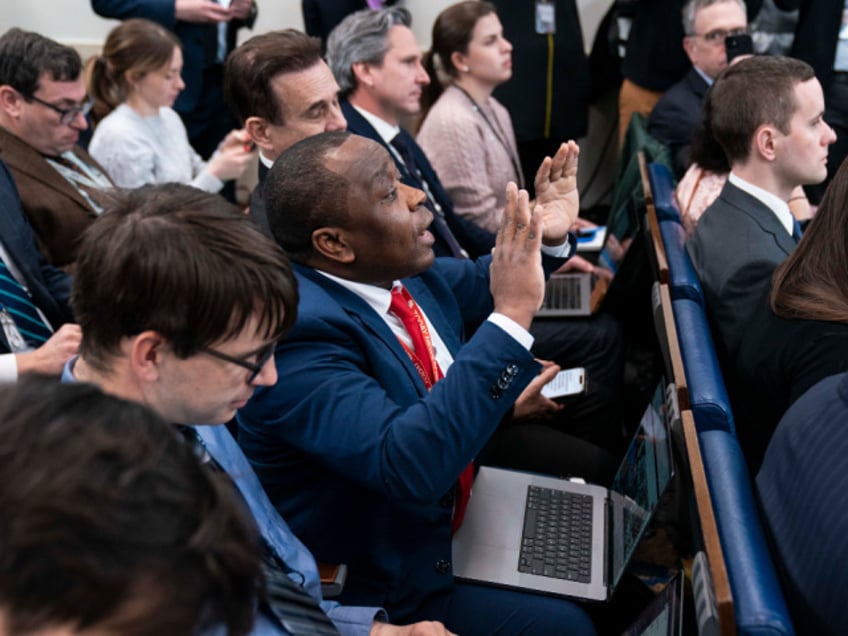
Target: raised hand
556 193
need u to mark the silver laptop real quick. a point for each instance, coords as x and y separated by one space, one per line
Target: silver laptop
562 537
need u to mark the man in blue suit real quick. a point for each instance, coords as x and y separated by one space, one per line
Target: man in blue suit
208 31
25 269
365 446
181 301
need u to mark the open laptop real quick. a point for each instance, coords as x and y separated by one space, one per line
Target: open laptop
581 293
516 532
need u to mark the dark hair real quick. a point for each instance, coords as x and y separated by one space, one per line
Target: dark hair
110 521
181 262
705 149
813 282
452 32
362 36
252 66
302 194
25 55
755 91
135 46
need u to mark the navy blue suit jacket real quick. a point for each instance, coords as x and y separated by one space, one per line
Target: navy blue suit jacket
476 241
677 115
355 452
49 287
817 34
199 40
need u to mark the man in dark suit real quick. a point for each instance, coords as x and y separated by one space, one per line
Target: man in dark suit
802 488
767 114
23 267
282 91
384 403
320 17
42 113
706 23
208 32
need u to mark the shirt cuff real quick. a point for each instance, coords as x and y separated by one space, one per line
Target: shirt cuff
566 250
518 333
8 368
207 182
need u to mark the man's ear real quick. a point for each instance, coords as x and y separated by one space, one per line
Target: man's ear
362 71
689 46
145 353
11 101
258 130
765 142
331 244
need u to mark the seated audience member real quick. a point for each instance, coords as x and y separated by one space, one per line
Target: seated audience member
802 487
367 444
706 176
798 333
706 24
377 63
111 525
282 91
466 133
181 301
766 112
34 336
142 139
43 106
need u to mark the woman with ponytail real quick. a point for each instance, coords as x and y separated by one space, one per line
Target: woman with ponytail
138 137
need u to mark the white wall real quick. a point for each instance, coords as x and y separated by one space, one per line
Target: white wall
73 21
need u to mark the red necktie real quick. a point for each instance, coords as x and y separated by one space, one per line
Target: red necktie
424 358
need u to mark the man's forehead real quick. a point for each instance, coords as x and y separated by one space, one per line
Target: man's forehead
54 90
721 12
306 86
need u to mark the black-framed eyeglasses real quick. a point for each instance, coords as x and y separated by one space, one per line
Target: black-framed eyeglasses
717 36
255 368
66 115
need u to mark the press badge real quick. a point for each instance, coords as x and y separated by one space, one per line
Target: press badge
545 17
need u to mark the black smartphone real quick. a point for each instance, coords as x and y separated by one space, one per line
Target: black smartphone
736 45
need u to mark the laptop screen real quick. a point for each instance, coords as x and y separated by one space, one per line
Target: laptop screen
638 485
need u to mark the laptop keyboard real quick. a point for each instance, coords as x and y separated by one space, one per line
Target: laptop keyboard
562 292
557 538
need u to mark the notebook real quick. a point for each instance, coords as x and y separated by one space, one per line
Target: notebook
520 530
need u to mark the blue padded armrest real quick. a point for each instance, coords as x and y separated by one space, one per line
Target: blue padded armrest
683 280
662 186
708 397
758 601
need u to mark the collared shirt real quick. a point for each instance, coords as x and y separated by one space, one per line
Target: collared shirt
771 201
8 362
709 80
379 300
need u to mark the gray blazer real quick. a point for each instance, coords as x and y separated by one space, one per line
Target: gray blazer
735 248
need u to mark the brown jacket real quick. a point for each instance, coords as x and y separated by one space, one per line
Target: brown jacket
56 211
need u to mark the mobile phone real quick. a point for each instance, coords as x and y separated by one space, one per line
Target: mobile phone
565 383
736 45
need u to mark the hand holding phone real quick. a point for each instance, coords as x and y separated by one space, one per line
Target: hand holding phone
565 383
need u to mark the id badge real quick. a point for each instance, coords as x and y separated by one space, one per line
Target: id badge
545 17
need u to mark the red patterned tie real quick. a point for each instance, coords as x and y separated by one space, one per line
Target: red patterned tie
423 356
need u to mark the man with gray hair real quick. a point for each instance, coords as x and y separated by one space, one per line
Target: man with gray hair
706 24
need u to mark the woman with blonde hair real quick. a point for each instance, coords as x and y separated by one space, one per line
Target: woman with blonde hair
139 138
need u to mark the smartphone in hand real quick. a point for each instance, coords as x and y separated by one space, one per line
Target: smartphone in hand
566 383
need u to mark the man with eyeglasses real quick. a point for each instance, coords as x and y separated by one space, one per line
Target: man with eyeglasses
706 23
43 108
181 301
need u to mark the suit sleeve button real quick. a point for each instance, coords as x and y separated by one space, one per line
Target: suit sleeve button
442 566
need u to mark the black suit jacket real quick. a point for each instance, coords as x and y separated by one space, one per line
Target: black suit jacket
48 286
676 115
817 34
476 241
256 209
321 16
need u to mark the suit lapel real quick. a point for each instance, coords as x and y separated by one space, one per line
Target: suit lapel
21 157
361 312
761 214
